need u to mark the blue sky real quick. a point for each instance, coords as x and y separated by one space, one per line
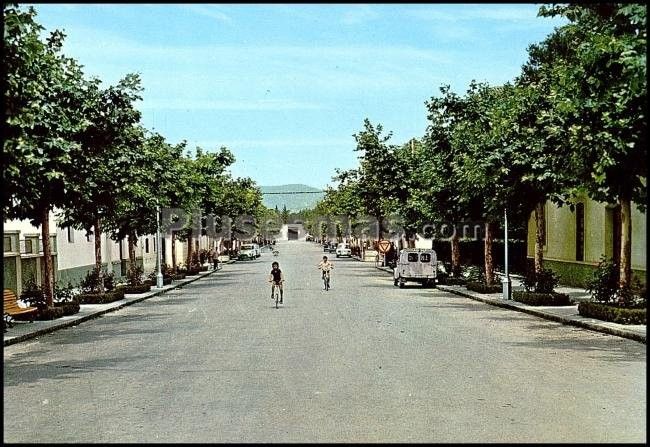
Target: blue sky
286 86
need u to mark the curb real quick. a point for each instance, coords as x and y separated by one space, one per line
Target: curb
76 321
538 313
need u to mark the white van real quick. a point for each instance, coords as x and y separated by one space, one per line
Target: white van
416 265
249 251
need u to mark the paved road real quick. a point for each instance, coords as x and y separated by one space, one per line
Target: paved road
363 362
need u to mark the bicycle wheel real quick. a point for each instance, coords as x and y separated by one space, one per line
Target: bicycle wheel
277 296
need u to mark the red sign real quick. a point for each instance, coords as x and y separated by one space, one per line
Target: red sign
384 246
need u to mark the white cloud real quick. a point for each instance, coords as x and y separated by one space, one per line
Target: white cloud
359 14
211 11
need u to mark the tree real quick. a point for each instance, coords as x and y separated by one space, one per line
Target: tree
376 173
45 100
599 89
111 137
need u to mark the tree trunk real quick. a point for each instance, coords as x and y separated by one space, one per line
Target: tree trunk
48 271
98 255
539 237
131 250
189 250
174 252
625 269
489 261
455 255
380 228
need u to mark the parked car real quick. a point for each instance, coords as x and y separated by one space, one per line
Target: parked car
415 265
248 252
332 248
326 247
343 249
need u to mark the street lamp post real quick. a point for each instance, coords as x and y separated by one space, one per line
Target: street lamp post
159 276
506 280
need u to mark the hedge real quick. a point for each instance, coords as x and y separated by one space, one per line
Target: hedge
483 288
542 299
69 308
613 313
50 313
449 281
101 298
178 276
136 289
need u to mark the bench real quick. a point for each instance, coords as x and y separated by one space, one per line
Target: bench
11 307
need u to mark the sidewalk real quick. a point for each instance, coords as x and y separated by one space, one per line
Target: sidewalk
562 314
23 330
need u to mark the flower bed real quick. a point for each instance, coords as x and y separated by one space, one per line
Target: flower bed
613 313
542 299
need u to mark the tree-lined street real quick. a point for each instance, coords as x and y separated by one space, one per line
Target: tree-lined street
216 362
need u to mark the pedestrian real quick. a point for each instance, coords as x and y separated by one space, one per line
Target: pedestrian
215 259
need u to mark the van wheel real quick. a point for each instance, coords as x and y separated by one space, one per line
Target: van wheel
395 282
401 284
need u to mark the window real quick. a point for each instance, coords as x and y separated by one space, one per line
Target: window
70 235
413 257
154 245
425 257
580 232
7 244
146 245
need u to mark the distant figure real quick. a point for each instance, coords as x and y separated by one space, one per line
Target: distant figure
215 260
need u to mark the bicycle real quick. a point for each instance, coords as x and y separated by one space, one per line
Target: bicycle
326 279
275 252
275 292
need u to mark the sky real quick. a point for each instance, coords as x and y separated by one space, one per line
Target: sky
286 86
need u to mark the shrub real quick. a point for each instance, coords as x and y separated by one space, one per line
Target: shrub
69 308
102 298
613 313
473 273
603 283
141 288
134 275
50 313
91 283
65 294
542 299
543 282
481 287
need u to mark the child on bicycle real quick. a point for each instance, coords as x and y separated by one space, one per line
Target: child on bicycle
325 266
275 278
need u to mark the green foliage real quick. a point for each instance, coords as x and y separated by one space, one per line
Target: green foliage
481 287
613 313
543 282
603 283
134 275
65 294
541 298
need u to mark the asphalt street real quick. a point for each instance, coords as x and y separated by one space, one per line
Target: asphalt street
365 361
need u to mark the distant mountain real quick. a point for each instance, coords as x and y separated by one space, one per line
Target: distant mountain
285 195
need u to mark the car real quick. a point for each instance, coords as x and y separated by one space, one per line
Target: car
416 265
326 247
332 248
248 252
343 249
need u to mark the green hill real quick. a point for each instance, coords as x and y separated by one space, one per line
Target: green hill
285 195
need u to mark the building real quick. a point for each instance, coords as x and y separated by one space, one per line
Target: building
576 240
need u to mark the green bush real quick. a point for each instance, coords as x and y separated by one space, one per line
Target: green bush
142 288
134 275
102 298
50 313
613 313
543 282
69 308
603 283
481 287
451 281
542 299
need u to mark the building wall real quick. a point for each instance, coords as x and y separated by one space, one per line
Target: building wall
560 248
